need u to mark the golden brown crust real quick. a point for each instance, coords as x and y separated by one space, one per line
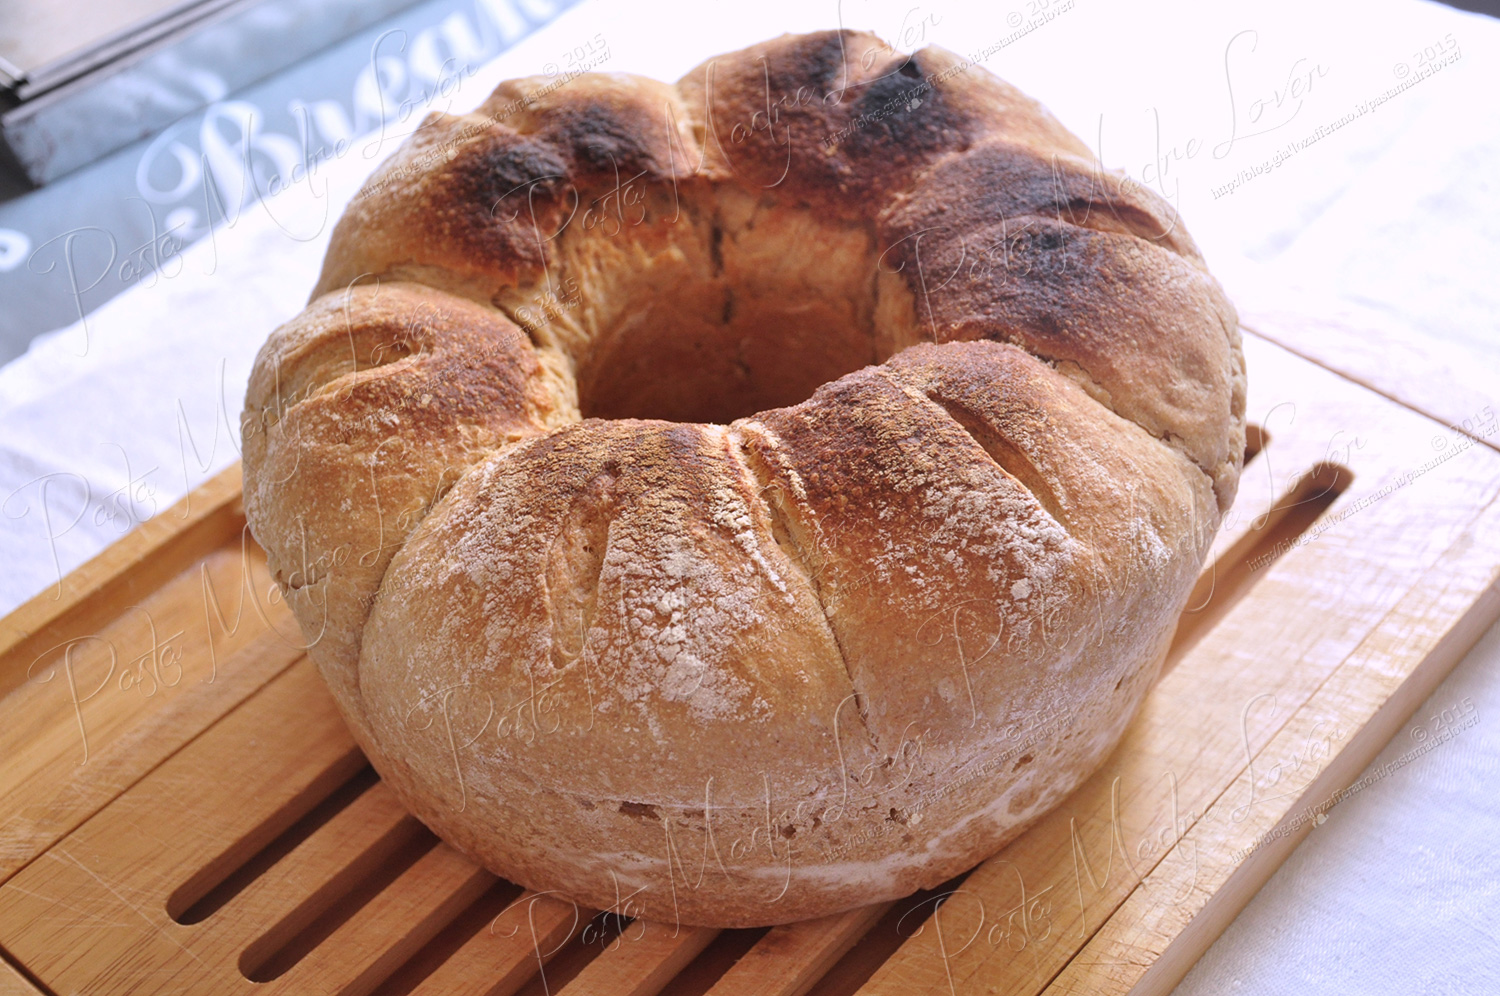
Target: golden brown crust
360 414
752 669
1087 272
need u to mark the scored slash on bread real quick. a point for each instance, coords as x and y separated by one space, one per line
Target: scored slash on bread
728 497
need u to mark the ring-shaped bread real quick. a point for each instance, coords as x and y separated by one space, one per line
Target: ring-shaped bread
617 638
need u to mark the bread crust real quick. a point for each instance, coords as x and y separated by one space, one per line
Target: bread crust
746 671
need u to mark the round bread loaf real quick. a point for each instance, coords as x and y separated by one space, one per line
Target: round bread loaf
739 501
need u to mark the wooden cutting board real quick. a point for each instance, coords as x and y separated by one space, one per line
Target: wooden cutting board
181 810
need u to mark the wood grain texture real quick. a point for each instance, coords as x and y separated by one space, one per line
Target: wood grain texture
645 959
383 934
347 849
515 946
223 830
792 957
1148 946
154 640
124 572
105 889
13 983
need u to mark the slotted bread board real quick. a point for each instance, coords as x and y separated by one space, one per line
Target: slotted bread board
181 810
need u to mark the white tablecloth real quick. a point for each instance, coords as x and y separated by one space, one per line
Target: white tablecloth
1340 161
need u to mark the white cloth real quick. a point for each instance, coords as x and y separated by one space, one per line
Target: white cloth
1399 891
1390 213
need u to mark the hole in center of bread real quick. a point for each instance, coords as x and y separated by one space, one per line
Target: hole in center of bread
715 317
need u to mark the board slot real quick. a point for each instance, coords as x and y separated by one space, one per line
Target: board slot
519 942
17 980
319 872
1256 440
1231 577
901 921
642 963
722 954
451 940
383 934
793 956
240 851
277 951
262 861
594 939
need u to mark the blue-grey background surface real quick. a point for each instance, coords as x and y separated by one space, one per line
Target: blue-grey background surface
68 247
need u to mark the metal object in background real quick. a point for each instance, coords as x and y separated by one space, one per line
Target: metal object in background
70 246
70 108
